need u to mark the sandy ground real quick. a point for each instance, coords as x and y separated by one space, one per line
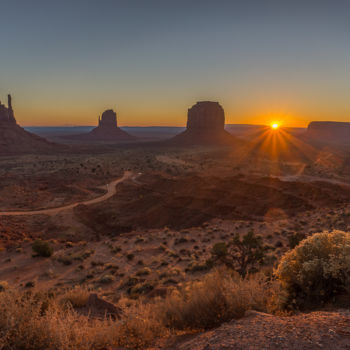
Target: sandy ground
258 331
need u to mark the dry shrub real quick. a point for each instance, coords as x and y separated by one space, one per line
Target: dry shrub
140 327
77 297
218 298
317 270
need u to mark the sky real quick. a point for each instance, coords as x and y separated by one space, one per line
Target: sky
65 62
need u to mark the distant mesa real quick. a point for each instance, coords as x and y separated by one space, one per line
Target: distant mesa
15 140
205 126
329 132
106 131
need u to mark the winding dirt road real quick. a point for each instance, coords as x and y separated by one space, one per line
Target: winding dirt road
111 190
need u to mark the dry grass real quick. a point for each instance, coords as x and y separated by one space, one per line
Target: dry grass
77 297
219 297
34 320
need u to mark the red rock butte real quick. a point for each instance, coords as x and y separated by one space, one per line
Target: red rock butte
205 126
106 131
206 115
15 140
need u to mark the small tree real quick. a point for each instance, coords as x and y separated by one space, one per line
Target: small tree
241 254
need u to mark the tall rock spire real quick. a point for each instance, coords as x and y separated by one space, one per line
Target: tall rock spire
9 102
10 109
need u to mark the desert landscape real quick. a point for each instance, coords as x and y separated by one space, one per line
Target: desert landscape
116 230
174 175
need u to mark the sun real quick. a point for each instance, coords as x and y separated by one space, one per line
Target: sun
275 126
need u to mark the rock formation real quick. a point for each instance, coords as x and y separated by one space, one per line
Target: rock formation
15 140
206 116
106 131
205 126
329 132
6 114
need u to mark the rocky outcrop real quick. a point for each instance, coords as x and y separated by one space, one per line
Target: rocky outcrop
334 132
15 140
106 131
205 126
97 308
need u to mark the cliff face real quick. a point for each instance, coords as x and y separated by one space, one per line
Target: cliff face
335 132
205 126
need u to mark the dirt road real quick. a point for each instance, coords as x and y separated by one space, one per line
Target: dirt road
307 178
111 190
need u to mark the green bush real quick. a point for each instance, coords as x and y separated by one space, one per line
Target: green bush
317 270
42 248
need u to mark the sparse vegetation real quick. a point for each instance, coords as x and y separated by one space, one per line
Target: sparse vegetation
107 279
76 297
241 254
42 248
317 270
3 285
219 297
36 321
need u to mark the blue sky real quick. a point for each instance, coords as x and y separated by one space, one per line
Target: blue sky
150 60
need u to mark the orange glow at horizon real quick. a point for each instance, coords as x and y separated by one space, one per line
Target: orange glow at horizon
275 126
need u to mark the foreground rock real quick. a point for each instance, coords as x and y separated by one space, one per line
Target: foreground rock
258 331
15 140
106 131
100 309
205 126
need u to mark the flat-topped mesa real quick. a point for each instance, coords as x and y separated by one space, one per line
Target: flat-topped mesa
108 119
334 132
206 115
6 113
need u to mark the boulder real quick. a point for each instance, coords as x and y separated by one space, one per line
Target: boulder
98 308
